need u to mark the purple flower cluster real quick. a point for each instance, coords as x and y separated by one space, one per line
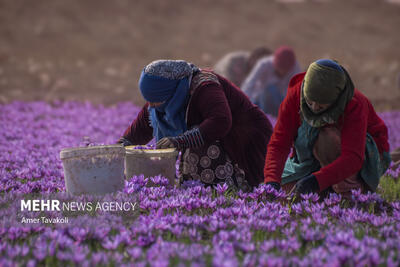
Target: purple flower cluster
191 224
149 146
146 147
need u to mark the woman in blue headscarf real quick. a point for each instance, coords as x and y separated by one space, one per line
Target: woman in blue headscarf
221 134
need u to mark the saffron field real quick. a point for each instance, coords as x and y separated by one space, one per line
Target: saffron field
181 226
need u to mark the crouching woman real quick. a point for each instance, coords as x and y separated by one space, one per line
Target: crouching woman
221 134
339 142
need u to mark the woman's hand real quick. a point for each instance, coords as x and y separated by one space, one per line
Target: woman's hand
274 185
306 185
166 142
124 142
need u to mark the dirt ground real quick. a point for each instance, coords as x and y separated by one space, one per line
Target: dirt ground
95 49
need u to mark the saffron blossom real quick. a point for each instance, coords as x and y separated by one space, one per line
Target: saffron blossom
145 147
163 225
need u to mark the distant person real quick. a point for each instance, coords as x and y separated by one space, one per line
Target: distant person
267 82
338 140
221 134
235 66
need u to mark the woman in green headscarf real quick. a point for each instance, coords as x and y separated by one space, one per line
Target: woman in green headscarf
338 140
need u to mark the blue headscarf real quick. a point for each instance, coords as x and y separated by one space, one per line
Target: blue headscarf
167 81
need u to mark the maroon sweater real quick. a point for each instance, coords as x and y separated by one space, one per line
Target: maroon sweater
222 112
359 118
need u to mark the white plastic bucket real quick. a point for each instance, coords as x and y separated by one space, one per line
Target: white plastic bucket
93 170
151 162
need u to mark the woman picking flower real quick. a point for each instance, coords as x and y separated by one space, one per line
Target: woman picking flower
338 140
221 134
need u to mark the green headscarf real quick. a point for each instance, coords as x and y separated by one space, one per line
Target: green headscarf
325 85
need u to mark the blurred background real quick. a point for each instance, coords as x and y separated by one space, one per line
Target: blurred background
95 49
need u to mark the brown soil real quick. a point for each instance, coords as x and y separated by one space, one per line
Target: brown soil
95 49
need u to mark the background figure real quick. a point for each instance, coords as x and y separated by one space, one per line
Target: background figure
267 82
235 66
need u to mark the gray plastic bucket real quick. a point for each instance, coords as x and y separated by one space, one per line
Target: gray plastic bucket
151 162
93 170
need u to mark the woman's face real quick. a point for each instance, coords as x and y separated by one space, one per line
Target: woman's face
316 107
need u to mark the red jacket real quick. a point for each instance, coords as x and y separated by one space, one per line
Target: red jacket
359 118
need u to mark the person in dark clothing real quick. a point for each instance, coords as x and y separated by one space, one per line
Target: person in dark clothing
221 134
